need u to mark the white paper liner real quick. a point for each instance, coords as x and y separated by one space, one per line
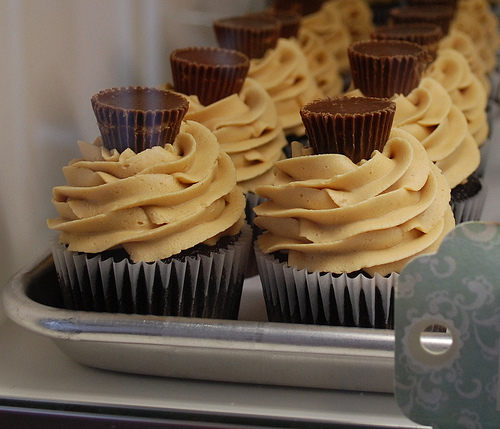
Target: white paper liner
196 286
470 209
299 296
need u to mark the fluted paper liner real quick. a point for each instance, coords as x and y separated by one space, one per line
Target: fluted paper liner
352 126
138 117
423 34
441 15
383 68
253 35
196 286
209 73
299 296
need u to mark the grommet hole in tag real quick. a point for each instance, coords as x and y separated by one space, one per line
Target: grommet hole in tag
447 332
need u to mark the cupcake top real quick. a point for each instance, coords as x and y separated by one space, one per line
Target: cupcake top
138 117
382 68
351 126
253 35
154 203
421 33
209 73
441 15
283 69
451 69
327 213
323 66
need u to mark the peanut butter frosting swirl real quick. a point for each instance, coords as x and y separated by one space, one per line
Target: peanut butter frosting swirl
322 64
462 43
451 69
284 72
155 203
332 215
475 18
328 24
429 114
248 129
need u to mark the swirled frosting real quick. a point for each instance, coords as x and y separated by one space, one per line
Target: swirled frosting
284 72
321 63
248 129
428 113
155 203
462 43
328 24
332 215
475 18
451 69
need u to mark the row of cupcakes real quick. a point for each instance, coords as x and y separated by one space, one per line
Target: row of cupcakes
190 284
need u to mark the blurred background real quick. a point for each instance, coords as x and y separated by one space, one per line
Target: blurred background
55 54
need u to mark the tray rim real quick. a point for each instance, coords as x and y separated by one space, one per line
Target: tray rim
338 358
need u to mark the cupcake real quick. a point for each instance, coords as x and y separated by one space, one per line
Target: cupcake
242 117
452 70
151 221
277 63
345 215
425 110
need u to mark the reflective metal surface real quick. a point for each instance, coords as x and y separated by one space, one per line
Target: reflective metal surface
243 351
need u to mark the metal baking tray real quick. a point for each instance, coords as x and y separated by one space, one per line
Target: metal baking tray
242 351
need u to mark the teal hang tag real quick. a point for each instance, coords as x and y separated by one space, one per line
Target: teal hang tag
447 332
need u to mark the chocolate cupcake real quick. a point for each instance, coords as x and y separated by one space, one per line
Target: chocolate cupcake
138 117
425 109
333 241
159 231
242 116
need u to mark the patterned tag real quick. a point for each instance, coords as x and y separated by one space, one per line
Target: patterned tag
447 319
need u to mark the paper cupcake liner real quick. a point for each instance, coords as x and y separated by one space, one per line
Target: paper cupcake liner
471 208
252 200
298 296
195 286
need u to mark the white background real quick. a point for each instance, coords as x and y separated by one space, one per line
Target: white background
54 55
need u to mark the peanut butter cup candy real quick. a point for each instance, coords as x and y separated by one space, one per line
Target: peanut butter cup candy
438 14
382 68
351 126
209 73
290 21
302 7
251 34
422 33
138 117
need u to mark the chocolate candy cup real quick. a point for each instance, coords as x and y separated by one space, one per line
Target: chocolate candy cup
290 21
421 33
433 14
352 126
251 34
210 73
383 68
302 7
138 117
